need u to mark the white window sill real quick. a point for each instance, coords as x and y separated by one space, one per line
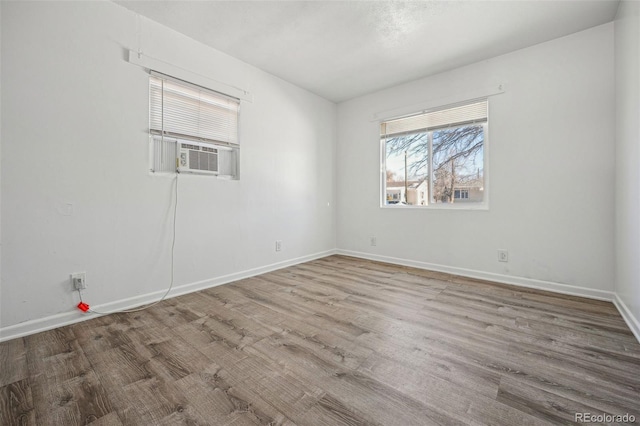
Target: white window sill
479 206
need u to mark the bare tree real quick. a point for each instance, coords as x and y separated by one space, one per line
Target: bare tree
415 145
392 177
454 152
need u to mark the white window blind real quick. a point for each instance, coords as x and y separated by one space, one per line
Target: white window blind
184 111
465 114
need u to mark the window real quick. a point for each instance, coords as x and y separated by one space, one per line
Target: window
193 129
461 194
436 158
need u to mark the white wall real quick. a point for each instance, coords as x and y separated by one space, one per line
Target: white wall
74 132
627 59
551 171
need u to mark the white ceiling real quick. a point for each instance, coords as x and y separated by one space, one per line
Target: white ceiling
344 49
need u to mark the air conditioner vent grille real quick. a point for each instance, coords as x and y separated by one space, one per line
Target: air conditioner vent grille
197 158
171 155
189 146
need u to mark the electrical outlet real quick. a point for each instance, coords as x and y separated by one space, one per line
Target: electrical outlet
373 240
503 256
278 245
79 280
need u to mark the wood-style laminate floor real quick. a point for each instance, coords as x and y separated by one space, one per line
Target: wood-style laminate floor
333 341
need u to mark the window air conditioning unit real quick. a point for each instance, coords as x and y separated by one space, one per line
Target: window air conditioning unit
194 157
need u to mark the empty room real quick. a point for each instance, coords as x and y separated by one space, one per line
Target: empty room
320 212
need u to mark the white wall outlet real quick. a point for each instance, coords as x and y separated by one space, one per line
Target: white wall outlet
278 245
79 280
373 240
503 255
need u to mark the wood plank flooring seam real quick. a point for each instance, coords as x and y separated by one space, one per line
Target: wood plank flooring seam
336 340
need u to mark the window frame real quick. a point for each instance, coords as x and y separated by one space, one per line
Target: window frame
463 194
483 205
159 136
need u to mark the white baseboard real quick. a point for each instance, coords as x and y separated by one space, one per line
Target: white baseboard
73 316
609 296
489 276
628 317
